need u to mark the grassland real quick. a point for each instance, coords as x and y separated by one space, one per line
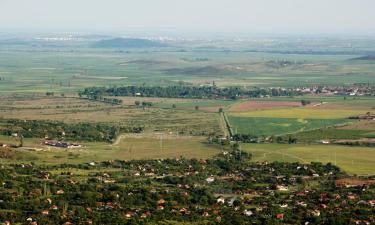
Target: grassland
354 160
127 148
332 133
74 110
258 126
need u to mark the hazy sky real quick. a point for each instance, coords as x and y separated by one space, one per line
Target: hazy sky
245 16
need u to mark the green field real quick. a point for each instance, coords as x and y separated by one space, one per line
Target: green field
332 134
126 149
276 126
354 160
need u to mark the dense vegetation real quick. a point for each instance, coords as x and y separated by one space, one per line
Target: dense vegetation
210 92
60 130
226 189
127 43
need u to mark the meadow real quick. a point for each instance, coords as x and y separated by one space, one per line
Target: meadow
133 147
326 118
75 110
258 126
353 160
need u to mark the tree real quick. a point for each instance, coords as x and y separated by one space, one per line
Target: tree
221 110
137 103
305 102
196 107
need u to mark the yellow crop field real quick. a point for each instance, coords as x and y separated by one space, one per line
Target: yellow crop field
302 113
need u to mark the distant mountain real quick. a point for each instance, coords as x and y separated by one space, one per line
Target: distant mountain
367 57
128 43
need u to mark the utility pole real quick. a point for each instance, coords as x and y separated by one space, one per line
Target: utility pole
161 143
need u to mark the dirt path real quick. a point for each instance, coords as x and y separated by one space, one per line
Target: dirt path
224 125
118 139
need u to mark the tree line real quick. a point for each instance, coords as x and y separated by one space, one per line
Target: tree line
197 92
60 130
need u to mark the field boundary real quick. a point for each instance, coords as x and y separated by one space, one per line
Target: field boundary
227 124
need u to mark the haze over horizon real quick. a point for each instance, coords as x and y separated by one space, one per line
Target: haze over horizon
238 16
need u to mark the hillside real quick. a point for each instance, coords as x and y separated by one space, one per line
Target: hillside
367 57
128 43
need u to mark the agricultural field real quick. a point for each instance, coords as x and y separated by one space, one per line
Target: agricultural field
75 110
354 160
259 126
203 105
335 133
158 146
259 105
316 121
304 113
63 69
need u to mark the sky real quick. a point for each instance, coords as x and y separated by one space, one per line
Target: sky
242 16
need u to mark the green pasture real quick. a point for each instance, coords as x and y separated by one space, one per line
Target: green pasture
331 134
354 160
126 149
277 126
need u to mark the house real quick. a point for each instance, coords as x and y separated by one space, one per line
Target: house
210 180
220 200
60 192
231 201
280 216
316 212
284 206
281 188
128 215
184 211
161 202
247 212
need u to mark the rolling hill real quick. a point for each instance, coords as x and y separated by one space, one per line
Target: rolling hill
128 43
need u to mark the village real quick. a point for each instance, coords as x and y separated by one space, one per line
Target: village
227 189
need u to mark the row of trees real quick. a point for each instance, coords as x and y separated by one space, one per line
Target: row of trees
60 130
198 92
